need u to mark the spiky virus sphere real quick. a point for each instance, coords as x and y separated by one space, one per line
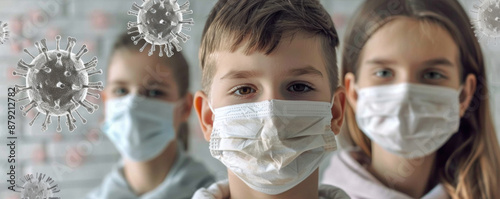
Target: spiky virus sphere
38 187
4 34
487 19
57 83
160 22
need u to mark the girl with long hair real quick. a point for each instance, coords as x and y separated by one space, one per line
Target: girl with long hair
418 105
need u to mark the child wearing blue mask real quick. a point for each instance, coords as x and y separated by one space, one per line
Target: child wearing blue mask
147 104
418 106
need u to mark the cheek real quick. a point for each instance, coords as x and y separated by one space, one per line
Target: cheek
327 91
176 116
107 94
219 96
363 78
456 77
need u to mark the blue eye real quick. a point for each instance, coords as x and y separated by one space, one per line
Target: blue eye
433 75
243 90
119 91
384 73
155 93
300 88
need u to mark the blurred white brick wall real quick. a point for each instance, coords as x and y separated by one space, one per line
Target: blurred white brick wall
78 160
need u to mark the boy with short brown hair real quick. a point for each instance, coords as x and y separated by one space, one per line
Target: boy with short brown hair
270 102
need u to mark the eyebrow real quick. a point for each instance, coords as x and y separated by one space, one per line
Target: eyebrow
149 83
119 82
381 61
308 70
153 81
432 62
241 74
438 61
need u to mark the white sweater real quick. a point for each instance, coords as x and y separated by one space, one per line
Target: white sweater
348 174
220 190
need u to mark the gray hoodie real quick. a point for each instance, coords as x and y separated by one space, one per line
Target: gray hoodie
185 177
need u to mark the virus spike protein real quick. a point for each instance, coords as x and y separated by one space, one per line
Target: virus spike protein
160 22
57 82
4 32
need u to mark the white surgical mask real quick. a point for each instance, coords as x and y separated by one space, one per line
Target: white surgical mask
409 120
139 127
272 145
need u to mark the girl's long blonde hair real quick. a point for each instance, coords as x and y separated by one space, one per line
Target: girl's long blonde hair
467 165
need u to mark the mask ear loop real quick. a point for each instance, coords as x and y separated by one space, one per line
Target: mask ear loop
332 102
356 88
212 109
460 89
210 106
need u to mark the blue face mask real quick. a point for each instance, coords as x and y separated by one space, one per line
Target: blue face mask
139 127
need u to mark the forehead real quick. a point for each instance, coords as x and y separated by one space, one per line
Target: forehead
411 40
296 51
137 68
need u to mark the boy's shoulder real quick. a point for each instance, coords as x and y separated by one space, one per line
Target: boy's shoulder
331 192
218 190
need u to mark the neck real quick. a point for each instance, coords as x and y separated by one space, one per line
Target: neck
408 176
308 188
143 177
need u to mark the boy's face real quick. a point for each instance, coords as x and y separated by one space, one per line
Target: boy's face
135 73
295 70
139 74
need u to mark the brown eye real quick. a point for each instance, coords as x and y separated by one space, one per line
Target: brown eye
300 88
244 90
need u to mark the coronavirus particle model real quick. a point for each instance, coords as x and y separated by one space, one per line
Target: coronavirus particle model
38 186
4 33
57 83
160 23
486 20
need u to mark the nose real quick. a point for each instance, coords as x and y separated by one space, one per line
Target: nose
272 93
407 76
138 92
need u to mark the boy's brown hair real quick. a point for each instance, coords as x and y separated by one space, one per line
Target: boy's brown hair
262 25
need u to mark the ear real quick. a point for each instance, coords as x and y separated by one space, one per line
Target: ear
469 88
352 95
338 109
187 106
204 113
